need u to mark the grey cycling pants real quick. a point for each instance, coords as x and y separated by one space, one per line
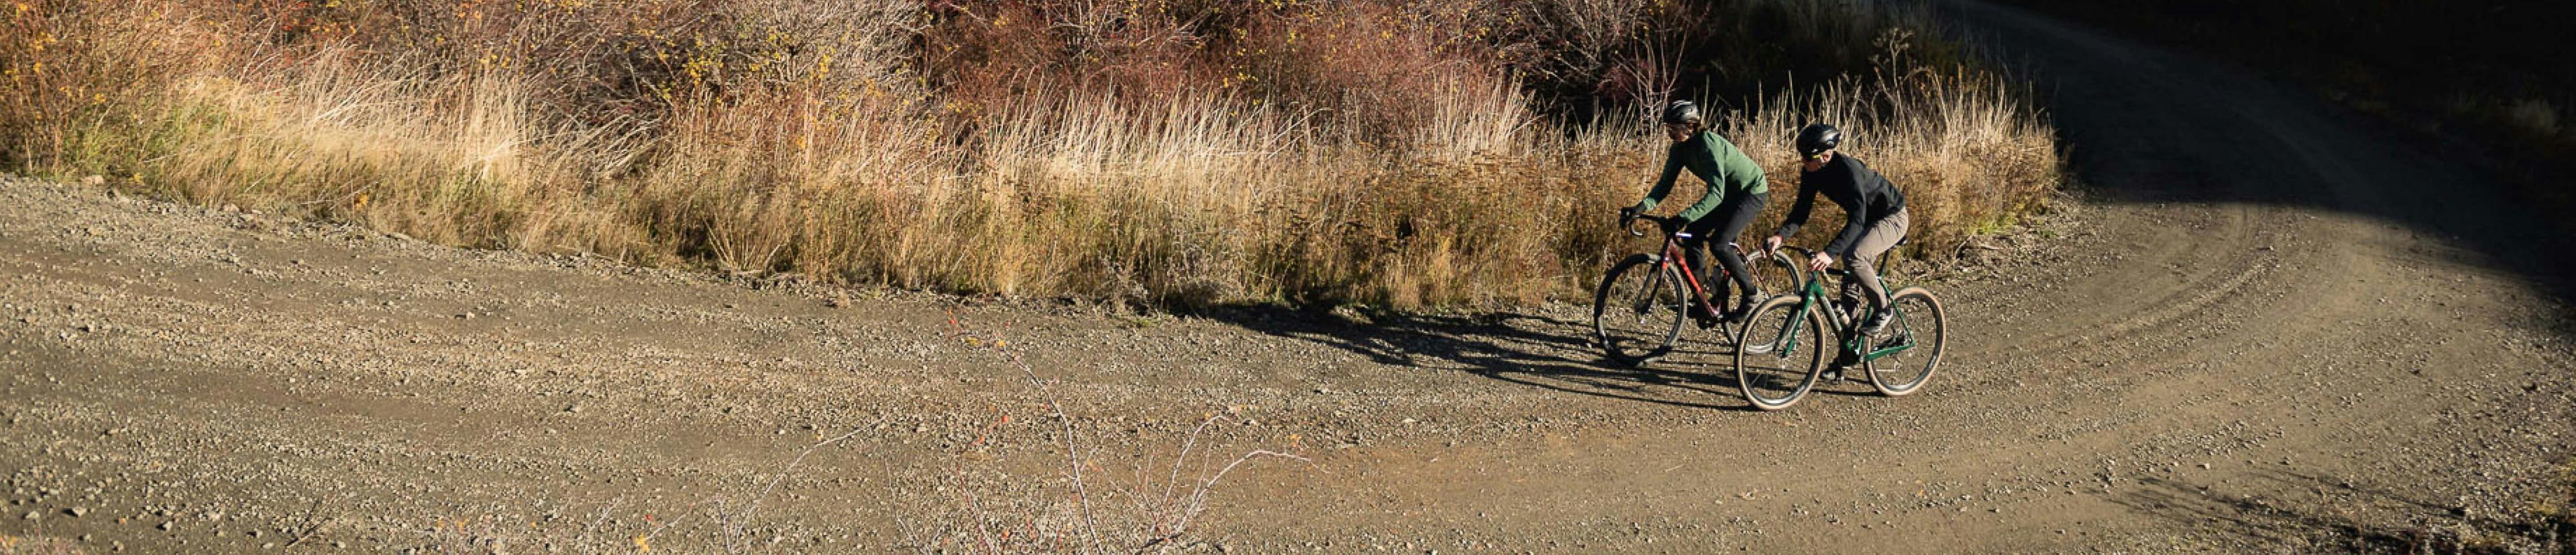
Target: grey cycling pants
1863 262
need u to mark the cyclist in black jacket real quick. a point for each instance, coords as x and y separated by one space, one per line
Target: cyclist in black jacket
1875 211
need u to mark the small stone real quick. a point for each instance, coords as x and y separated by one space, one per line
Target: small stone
572 408
77 511
168 525
231 208
32 515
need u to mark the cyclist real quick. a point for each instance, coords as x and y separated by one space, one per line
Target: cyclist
1736 192
1875 216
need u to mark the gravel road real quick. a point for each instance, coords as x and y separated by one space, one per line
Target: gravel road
2265 326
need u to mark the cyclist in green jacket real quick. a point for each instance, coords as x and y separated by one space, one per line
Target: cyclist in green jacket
1736 193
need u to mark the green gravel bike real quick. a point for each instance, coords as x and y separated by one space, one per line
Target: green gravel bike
1783 348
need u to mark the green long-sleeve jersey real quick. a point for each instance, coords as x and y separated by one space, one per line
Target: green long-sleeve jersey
1716 161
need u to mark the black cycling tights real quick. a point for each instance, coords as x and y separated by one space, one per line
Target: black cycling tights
1715 231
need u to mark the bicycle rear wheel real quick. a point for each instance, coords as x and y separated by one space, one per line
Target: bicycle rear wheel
1782 351
1919 327
1637 313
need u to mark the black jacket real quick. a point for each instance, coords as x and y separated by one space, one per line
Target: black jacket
1863 194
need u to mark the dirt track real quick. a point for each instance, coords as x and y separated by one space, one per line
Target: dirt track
2254 334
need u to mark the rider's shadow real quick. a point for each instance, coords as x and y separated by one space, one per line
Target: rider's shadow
1533 350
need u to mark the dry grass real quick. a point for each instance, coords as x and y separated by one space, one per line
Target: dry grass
983 504
1083 508
1968 161
1163 153
2534 116
37 545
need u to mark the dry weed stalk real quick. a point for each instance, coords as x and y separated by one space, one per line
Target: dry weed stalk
1158 517
735 528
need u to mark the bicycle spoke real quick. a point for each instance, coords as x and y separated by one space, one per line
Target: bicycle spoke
1916 335
1790 338
1626 320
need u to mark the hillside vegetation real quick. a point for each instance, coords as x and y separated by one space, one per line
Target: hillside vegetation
1170 152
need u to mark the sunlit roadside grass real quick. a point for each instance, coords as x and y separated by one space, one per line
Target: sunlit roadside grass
1134 152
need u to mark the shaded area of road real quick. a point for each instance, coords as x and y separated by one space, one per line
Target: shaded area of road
2145 125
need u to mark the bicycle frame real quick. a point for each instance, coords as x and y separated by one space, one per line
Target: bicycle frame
1672 253
1811 296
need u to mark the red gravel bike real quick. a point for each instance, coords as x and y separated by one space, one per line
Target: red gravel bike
1638 311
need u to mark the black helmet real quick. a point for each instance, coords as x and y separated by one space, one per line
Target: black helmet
1817 138
1681 111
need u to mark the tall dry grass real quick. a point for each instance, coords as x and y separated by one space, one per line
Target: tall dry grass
1168 153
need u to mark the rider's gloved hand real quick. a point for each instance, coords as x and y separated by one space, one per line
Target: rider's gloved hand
1771 243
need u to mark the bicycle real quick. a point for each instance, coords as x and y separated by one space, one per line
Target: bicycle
1638 310
1897 365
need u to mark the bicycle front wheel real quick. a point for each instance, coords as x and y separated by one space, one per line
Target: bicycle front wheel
1919 329
1781 352
1637 313
1776 273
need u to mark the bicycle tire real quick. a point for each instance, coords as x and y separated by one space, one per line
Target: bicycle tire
1920 320
1780 375
1655 303
1778 274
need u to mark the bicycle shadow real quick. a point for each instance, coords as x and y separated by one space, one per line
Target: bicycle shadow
1535 350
